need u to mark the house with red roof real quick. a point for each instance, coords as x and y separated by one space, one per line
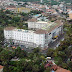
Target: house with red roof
11 8
59 69
55 68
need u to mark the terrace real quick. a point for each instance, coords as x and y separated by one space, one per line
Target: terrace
25 31
51 25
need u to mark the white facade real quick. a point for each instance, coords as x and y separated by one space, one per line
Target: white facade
25 35
28 37
37 25
1 70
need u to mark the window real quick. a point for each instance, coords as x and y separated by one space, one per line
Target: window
45 36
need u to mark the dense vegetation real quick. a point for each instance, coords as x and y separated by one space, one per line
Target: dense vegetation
9 19
28 62
63 54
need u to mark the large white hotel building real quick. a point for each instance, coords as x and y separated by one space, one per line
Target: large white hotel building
45 33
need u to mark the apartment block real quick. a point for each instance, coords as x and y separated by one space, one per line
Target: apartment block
45 33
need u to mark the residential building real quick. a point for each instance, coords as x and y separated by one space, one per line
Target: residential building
25 37
7 2
68 10
59 69
70 14
54 68
1 68
45 34
18 10
35 6
23 9
50 10
33 23
11 8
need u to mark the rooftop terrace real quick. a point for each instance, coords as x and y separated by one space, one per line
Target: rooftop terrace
25 31
51 25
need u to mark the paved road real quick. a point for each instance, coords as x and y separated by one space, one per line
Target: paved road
54 44
51 45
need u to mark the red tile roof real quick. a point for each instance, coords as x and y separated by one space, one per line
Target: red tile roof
11 6
55 67
10 28
1 67
62 70
59 69
32 20
48 64
40 31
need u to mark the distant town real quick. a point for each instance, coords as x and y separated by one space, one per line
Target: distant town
35 36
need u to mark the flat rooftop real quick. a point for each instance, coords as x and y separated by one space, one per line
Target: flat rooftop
46 29
52 25
49 27
25 31
10 28
42 22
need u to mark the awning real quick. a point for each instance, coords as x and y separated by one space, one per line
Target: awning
55 36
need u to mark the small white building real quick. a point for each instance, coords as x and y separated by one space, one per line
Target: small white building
34 24
39 38
1 68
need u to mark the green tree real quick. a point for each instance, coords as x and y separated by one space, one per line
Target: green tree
50 52
5 56
20 53
36 50
48 69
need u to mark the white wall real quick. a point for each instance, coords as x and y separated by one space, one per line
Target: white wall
30 36
8 34
57 33
23 36
31 25
1 70
36 25
39 39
